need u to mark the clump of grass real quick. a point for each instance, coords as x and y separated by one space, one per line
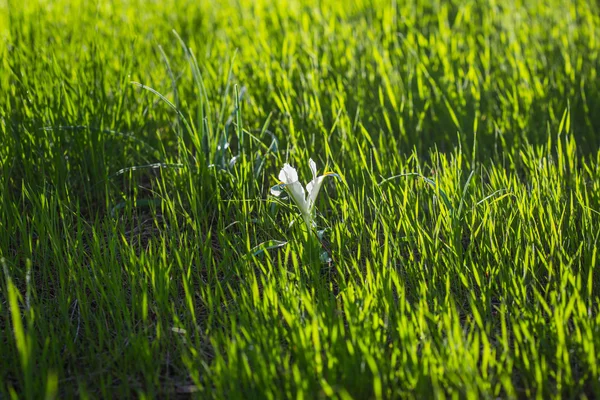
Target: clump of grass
463 244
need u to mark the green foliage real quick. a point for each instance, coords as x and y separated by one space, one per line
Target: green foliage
143 256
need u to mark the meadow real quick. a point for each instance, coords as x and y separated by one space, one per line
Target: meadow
454 254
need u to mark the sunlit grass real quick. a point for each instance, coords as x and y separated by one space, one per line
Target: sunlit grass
143 255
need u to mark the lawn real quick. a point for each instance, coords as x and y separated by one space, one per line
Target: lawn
150 246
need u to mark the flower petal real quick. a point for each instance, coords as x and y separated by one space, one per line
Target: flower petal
288 174
297 193
314 186
278 189
313 168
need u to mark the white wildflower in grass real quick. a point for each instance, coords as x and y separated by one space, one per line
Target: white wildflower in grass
304 199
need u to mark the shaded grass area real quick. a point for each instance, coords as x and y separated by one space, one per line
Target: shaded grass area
131 226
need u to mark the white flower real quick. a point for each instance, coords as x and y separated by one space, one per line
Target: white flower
306 203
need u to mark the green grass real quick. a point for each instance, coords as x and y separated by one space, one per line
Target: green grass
141 257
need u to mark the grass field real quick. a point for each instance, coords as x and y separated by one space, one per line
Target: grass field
144 256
